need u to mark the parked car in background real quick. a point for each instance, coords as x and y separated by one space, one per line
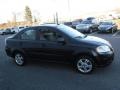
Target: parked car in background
107 26
17 29
87 26
68 24
60 43
76 22
1 31
90 18
7 31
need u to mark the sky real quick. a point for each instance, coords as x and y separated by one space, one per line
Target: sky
47 8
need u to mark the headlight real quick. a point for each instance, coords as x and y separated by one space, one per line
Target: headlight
87 26
109 28
103 49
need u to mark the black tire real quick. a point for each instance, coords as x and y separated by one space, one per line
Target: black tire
13 32
88 61
19 58
116 30
3 33
112 31
90 30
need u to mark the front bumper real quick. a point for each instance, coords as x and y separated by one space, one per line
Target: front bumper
104 30
83 30
104 59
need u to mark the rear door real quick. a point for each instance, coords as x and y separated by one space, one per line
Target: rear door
28 42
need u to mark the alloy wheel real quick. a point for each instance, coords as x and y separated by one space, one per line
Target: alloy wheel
19 59
84 65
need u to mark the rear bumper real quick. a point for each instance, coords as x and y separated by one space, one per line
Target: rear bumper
8 52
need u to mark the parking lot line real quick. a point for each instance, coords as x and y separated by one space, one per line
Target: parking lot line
93 33
117 37
115 33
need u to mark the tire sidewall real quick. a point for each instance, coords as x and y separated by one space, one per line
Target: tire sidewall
23 59
84 57
90 30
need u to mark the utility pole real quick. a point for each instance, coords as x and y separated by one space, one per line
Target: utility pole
69 12
57 21
55 12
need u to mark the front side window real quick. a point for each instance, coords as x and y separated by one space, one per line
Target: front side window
70 31
49 35
29 35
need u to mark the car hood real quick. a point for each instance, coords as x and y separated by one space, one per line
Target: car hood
83 25
96 40
1 30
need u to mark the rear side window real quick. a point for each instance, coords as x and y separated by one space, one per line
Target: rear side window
29 35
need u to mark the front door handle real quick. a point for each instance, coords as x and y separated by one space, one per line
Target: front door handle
20 43
43 45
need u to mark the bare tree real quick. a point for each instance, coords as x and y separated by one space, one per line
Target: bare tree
28 14
14 19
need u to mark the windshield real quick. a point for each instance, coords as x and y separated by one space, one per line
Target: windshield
70 31
86 22
106 23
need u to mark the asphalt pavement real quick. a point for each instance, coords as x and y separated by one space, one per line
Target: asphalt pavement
59 76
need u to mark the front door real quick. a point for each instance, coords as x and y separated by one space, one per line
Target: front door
53 45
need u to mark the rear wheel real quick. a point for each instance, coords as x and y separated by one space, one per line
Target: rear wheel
19 59
116 30
112 30
3 33
84 64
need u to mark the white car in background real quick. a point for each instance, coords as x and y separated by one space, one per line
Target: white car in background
17 29
6 31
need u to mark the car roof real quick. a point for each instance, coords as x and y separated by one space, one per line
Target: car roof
46 25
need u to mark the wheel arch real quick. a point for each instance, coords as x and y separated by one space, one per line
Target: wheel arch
91 54
17 51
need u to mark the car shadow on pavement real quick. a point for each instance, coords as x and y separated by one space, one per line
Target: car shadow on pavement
50 65
59 66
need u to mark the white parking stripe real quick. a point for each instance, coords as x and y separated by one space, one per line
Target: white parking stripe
117 37
115 33
93 33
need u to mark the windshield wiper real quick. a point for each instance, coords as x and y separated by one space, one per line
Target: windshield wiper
78 37
85 36
81 36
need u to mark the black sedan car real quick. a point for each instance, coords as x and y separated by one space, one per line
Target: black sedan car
59 43
107 26
68 24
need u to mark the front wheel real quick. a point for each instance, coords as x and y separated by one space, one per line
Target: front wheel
90 30
84 64
13 32
19 59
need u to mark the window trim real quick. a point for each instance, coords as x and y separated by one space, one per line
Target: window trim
56 31
26 31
